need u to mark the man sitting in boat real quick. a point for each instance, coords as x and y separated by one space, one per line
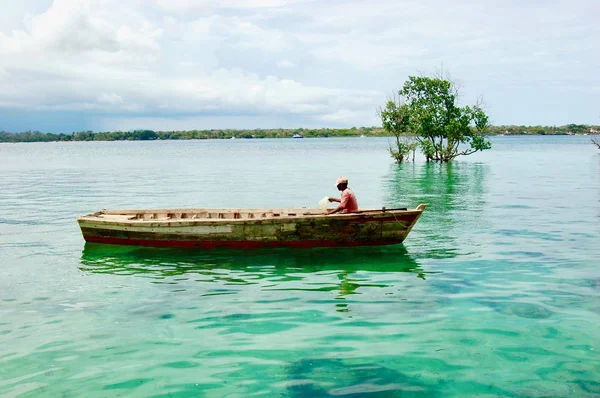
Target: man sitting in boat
348 201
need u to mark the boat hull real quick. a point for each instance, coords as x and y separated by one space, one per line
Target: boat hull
248 230
213 244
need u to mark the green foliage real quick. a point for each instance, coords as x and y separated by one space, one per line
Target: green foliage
576 128
404 147
444 129
395 120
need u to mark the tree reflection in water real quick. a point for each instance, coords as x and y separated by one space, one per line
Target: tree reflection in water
455 197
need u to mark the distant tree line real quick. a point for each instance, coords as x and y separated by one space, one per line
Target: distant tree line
569 129
146 135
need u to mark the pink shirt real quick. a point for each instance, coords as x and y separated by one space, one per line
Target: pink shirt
348 201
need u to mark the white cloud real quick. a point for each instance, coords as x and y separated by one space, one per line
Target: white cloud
204 5
339 116
363 53
325 62
78 27
185 6
110 99
284 63
233 32
96 62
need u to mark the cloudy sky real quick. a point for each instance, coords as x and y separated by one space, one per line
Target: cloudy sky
69 65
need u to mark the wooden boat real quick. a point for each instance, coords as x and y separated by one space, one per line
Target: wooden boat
248 228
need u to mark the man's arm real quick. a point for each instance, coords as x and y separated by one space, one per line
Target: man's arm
336 210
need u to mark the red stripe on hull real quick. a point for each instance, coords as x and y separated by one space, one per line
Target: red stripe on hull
233 244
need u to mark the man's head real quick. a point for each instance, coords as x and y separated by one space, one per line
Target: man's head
341 183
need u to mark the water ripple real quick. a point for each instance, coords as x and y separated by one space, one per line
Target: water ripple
494 293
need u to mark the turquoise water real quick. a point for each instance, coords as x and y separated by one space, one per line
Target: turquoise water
496 291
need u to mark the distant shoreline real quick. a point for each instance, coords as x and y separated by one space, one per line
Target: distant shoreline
358 132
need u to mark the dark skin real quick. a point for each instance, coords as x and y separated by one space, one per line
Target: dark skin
340 187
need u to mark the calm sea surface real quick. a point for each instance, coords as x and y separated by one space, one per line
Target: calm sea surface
496 291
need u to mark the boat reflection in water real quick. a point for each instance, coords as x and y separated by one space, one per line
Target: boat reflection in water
166 262
264 266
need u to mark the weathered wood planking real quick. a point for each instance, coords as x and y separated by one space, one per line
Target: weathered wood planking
248 228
